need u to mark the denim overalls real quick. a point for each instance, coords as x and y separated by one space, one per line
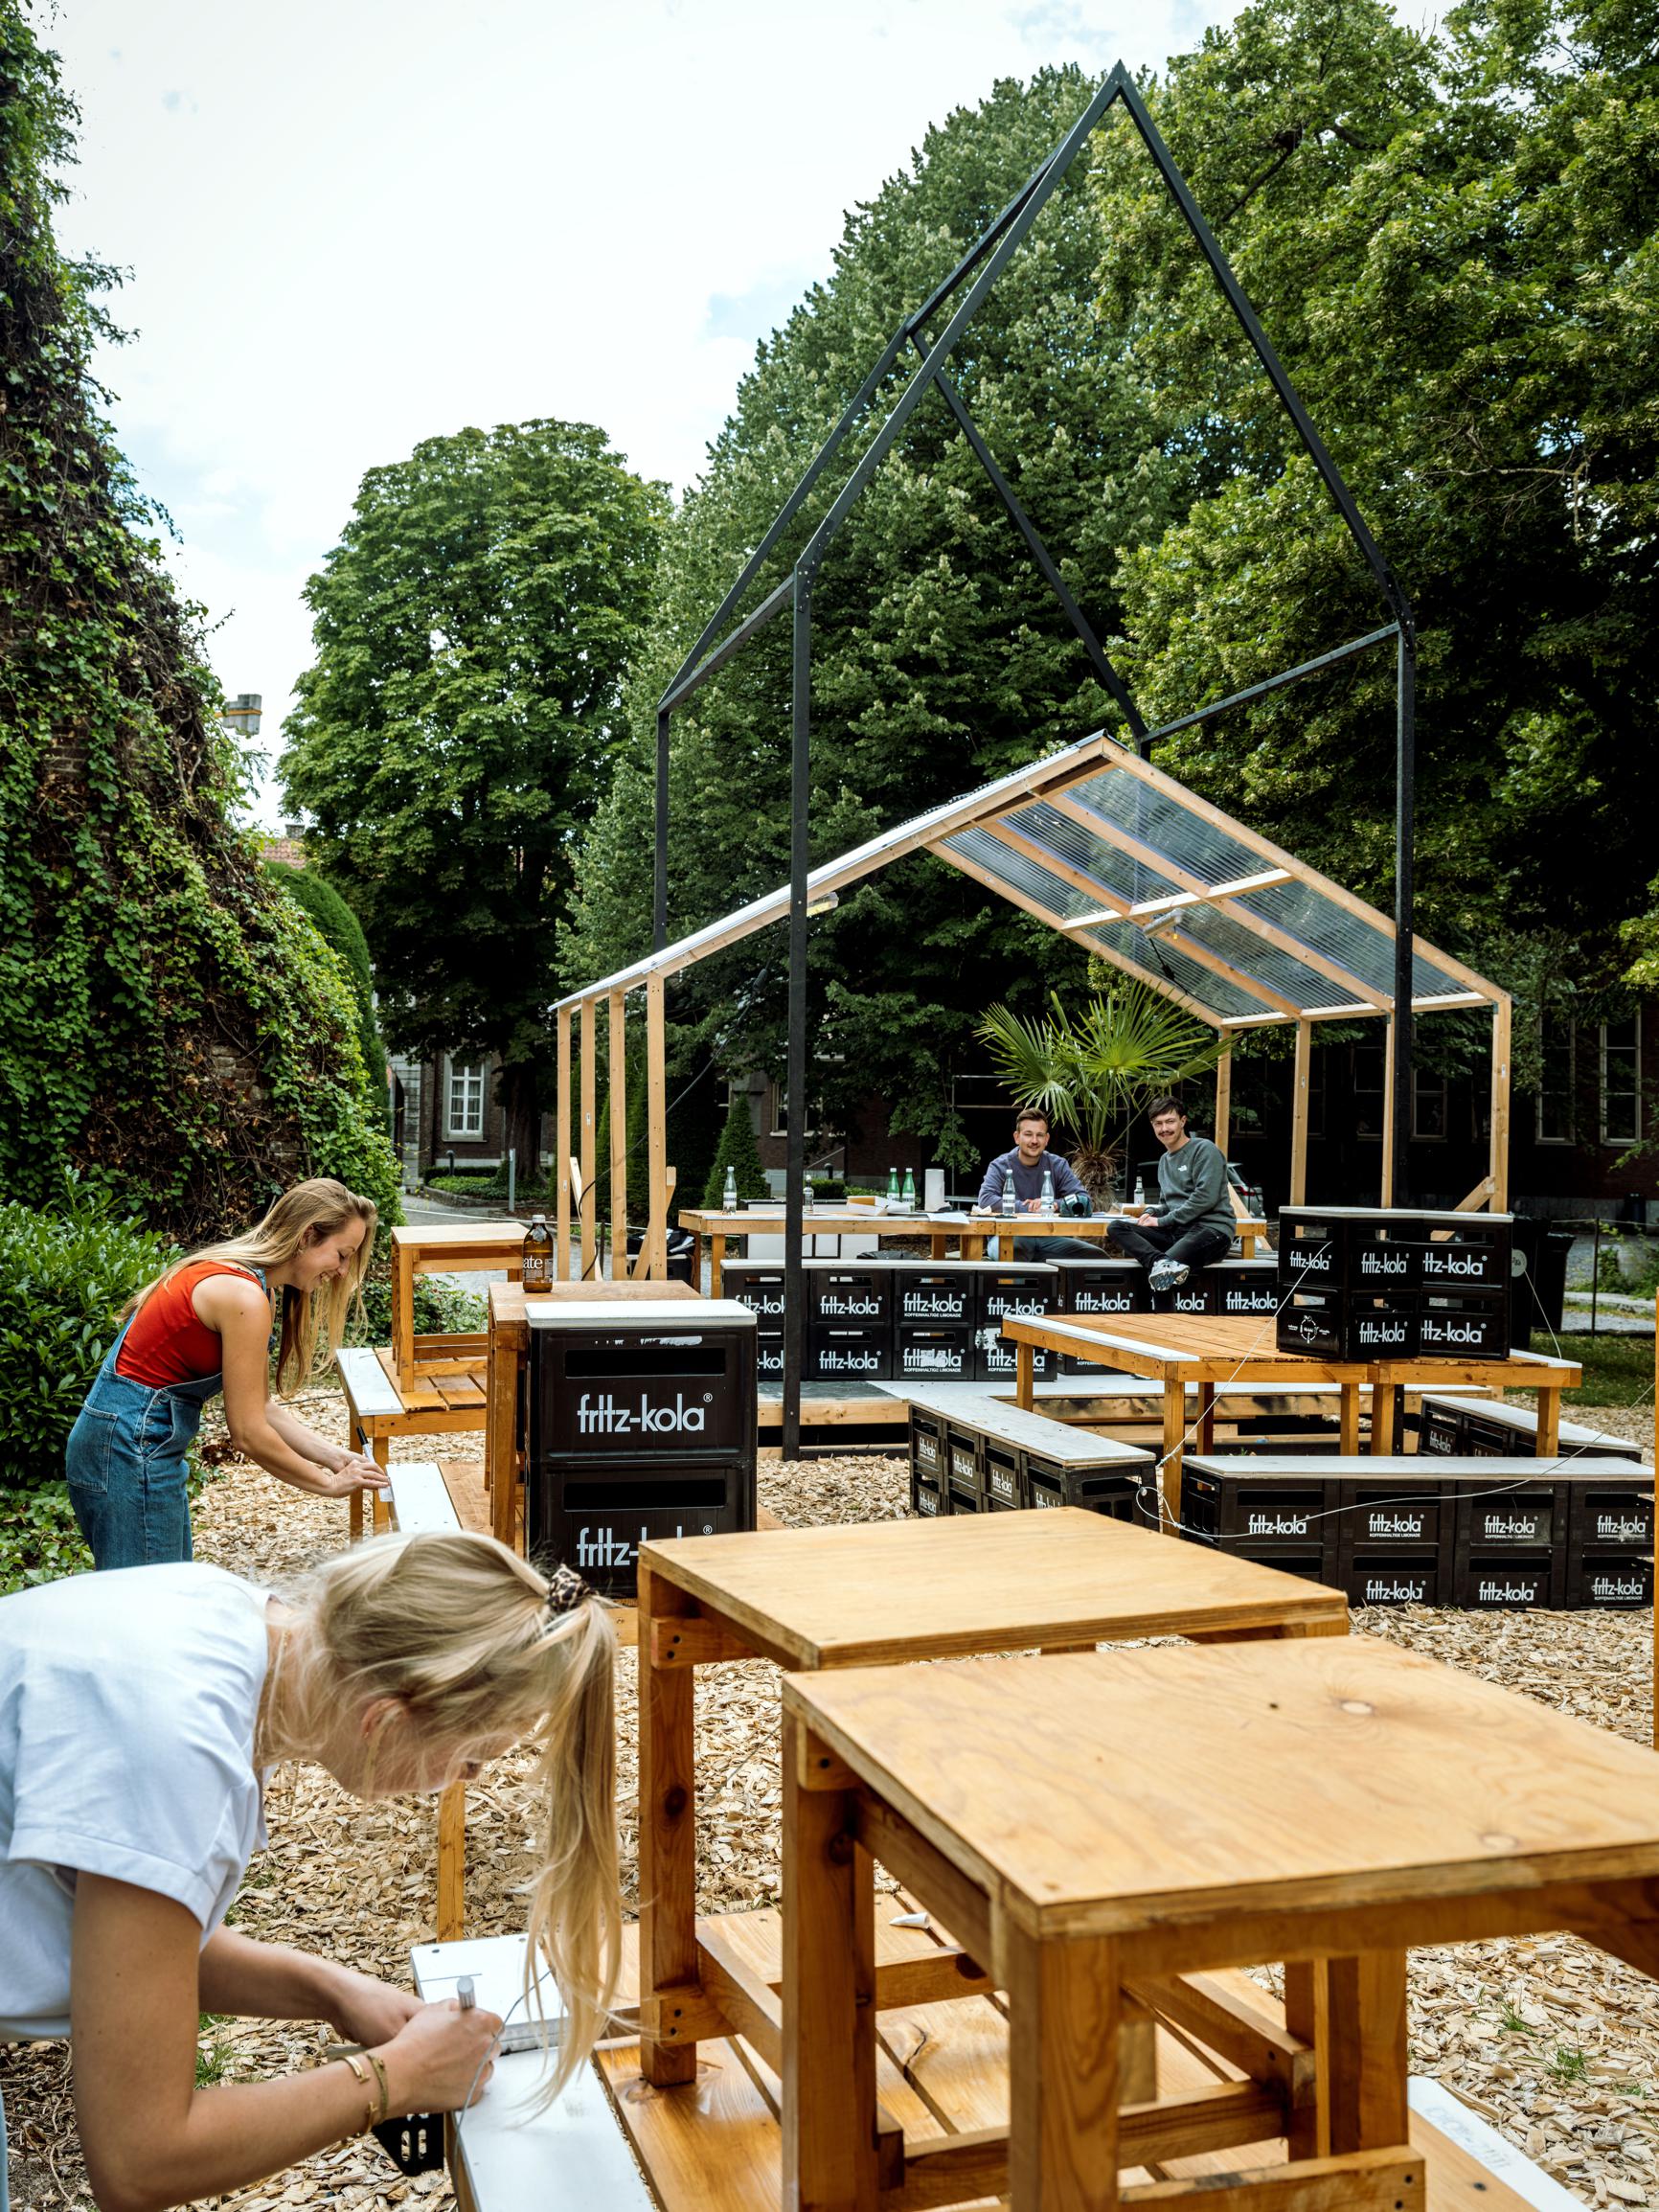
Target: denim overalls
128 1474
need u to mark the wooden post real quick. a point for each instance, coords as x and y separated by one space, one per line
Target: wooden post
656 1118
561 1151
617 1088
453 1862
668 1844
1223 1098
1503 1018
1363 2062
589 1137
1299 1114
1064 2008
1387 1198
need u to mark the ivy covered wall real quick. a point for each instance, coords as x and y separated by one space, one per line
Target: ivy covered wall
168 1022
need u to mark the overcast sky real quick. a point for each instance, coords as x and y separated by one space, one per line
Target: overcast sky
352 224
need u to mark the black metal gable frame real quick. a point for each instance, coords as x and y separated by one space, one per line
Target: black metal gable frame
979 269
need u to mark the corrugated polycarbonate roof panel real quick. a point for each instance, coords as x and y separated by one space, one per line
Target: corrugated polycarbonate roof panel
1158 960
1365 949
1157 819
1133 881
1052 892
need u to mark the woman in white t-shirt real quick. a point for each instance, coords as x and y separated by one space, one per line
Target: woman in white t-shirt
138 1712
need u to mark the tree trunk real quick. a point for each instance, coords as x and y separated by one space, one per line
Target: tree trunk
522 1110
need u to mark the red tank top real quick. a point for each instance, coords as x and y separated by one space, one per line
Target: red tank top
166 1343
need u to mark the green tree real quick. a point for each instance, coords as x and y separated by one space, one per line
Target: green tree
456 730
343 933
168 1023
737 1150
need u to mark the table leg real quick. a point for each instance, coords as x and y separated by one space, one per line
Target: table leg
829 1983
453 1862
1174 1437
1362 2058
1549 1437
936 1241
717 1264
1382 1442
1347 1442
1206 1418
402 1314
380 1508
501 1414
1307 1997
668 1833
1024 1375
1064 2011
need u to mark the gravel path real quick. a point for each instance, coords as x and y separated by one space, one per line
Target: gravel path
1553 2043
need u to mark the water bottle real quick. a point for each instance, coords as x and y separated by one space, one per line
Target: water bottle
729 1195
893 1188
908 1199
537 1254
1046 1201
806 1192
1010 1204
1140 1193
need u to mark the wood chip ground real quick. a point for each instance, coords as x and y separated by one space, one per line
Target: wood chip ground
1555 2043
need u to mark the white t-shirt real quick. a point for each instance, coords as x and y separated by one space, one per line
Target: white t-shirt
127 1704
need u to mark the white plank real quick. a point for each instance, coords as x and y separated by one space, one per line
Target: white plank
368 1385
1035 1431
1513 2168
420 1501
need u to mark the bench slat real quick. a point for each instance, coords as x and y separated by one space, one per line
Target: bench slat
1010 1425
368 1385
420 1499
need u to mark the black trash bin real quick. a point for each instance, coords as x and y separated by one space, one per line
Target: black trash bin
1539 1285
680 1245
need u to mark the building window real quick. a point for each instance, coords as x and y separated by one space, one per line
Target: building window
1621 1086
1428 1116
1555 1103
465 1099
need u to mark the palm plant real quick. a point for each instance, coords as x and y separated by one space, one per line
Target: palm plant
1092 1072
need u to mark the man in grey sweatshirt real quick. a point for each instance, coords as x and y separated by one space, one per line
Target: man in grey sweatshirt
1192 1223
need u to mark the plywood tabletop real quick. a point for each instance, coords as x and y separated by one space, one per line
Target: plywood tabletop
1182 1788
503 1236
510 1301
871 1593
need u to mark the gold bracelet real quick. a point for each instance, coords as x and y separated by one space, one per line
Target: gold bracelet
364 2078
380 2067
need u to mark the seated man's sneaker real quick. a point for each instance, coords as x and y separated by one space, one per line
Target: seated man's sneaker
1167 1275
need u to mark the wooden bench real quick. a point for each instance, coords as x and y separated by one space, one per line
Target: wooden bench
982 1446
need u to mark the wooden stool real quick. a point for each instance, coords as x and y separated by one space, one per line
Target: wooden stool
1092 1826
875 1593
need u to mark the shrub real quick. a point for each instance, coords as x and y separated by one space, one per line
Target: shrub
39 1538
737 1150
440 1309
65 1277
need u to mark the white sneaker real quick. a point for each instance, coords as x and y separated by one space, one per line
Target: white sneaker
1167 1275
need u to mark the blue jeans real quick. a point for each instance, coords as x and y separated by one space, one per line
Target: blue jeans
5 2195
128 1471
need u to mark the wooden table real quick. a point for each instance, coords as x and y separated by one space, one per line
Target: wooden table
876 1593
1178 1349
972 1233
1096 1826
507 1346
452 1249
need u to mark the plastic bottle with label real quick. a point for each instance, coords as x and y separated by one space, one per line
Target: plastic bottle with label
537 1254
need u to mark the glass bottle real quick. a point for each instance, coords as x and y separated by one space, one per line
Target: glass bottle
537 1254
1010 1204
729 1195
907 1199
1046 1201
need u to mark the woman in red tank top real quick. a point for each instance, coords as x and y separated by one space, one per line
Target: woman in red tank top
203 1327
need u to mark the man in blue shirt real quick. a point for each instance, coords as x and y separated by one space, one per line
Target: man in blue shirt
1024 1166
1191 1225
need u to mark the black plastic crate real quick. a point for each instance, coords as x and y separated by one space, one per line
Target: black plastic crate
1028 1288
943 1292
1442 1430
1463 1325
596 1519
769 1355
1609 1581
1312 1249
1502 1583
759 1286
962 1447
1610 1516
1108 1491
943 1354
1099 1286
1261 1504
1193 1296
1393 1248
837 1354
928 1461
1393 1517
616 1382
1473 1253
1494 1432
1359 1324
844 1294
962 1497
993 1357
1309 1562
1374 1575
1241 1290
1001 1473
927 1502
1510 1517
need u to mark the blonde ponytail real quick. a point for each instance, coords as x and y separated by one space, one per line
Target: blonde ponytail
458 1630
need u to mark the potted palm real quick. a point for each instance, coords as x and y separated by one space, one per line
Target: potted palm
1092 1071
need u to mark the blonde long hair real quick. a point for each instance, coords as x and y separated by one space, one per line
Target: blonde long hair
457 1628
313 1321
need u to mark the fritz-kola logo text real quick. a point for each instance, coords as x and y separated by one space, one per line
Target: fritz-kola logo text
1279 1524
847 1307
607 1416
934 1304
606 1547
1379 1260
1464 1264
1387 1590
1396 1524
1621 1527
1437 1331
1495 1593
1608 1589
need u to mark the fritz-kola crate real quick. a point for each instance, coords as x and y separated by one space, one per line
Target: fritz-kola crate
759 1286
842 1295
640 1426
1088 1286
1371 1283
1006 1459
1262 1504
935 1290
837 1352
940 1353
1481 1428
